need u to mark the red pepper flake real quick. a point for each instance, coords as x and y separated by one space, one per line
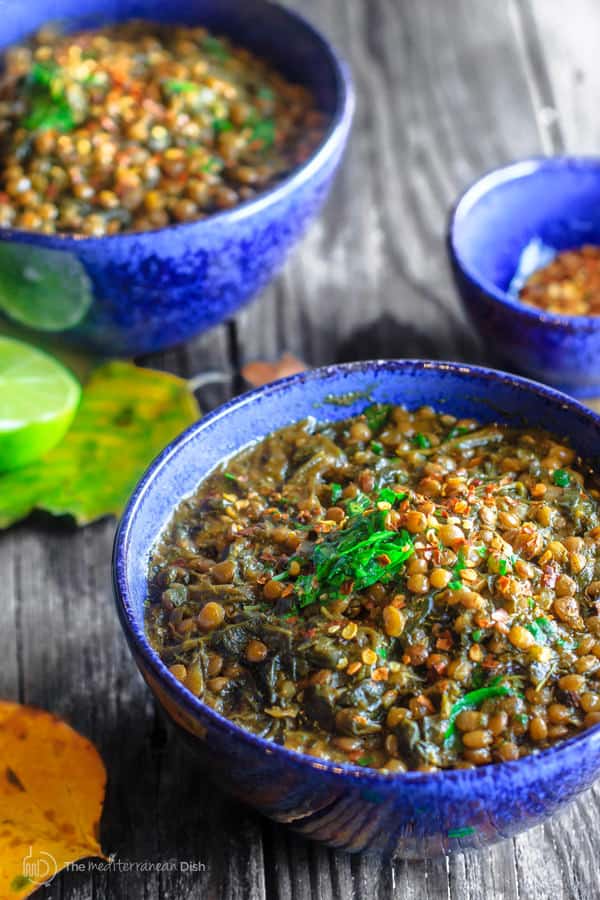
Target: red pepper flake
490 662
549 576
383 559
422 700
444 642
500 618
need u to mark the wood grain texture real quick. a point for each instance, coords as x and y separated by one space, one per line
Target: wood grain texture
446 90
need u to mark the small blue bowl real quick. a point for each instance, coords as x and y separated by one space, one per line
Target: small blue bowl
557 200
147 291
415 814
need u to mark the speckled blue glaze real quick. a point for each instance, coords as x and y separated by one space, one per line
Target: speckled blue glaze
414 814
155 289
558 200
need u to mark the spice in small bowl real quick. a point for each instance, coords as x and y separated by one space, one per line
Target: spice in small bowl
568 285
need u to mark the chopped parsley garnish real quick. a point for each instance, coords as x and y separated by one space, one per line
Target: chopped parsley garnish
365 760
502 564
376 447
336 492
230 476
176 86
264 131
361 554
221 125
215 47
476 635
387 495
482 551
421 441
358 505
48 104
544 630
211 165
377 416
561 478
460 564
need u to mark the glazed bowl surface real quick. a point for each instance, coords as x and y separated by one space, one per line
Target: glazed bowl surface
414 814
142 292
555 200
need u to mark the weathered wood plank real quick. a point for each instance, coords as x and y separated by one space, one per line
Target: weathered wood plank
446 90
568 38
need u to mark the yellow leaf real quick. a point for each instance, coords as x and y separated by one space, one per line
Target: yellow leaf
52 783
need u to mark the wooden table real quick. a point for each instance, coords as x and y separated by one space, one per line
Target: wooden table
447 89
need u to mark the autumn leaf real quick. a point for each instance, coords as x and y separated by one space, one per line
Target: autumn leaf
127 415
260 372
52 783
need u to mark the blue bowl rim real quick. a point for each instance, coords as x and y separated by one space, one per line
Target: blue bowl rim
184 698
336 134
485 184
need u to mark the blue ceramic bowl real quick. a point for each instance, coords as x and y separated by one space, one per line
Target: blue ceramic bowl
415 814
556 199
151 290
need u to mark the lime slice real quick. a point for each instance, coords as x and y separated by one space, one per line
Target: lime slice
38 399
47 290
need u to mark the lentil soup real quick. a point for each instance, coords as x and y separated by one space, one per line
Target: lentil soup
137 126
401 590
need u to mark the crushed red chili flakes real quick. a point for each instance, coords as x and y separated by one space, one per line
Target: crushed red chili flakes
569 285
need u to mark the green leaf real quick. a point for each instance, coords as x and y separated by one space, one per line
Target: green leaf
176 86
336 492
561 478
421 441
474 699
377 415
127 415
48 104
47 290
387 495
264 131
215 47
221 125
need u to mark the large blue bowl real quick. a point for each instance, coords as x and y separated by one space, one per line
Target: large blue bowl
154 289
414 814
557 200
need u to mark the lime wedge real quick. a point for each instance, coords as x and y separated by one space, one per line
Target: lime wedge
38 399
47 290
